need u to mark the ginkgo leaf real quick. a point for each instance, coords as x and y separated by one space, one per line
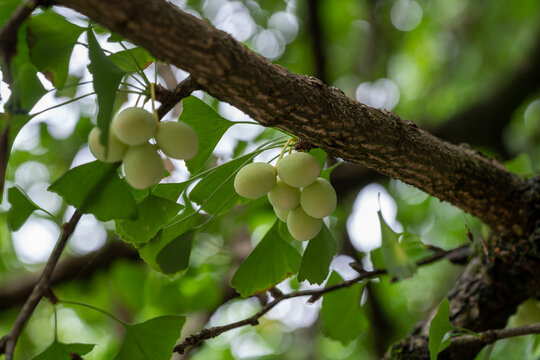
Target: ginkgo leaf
396 260
438 327
342 317
209 126
151 340
21 208
272 261
154 213
317 257
60 351
97 189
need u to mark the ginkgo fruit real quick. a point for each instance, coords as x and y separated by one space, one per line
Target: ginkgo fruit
255 180
177 140
301 226
281 214
134 126
116 148
283 196
143 166
318 199
299 169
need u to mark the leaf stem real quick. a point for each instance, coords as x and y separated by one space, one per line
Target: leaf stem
94 308
62 104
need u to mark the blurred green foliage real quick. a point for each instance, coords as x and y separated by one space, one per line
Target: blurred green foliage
456 55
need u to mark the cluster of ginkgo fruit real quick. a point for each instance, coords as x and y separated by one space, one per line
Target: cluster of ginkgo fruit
128 141
299 196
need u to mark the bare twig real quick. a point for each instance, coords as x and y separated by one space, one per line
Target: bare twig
490 336
195 339
182 90
8 342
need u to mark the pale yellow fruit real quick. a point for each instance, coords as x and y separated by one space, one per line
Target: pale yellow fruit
318 199
281 214
134 126
143 166
299 169
283 196
116 149
255 180
177 140
302 226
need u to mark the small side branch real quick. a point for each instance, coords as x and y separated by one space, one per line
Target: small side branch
490 336
8 342
458 254
182 90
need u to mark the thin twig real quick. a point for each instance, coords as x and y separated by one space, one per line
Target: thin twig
490 336
182 90
314 294
8 342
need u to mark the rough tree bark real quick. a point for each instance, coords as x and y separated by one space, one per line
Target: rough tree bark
493 284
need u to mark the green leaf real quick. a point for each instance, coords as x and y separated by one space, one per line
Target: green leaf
60 351
107 77
154 213
521 165
151 340
97 189
174 257
343 319
272 261
317 257
130 61
21 208
176 238
320 155
413 246
438 327
325 173
208 125
396 260
51 40
171 191
215 191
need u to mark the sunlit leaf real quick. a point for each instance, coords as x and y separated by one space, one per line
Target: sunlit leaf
395 259
216 191
97 189
107 77
317 257
21 208
342 317
151 340
272 261
154 213
170 249
438 327
51 40
208 125
171 191
130 61
60 351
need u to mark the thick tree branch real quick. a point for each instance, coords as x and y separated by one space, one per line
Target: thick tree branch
321 115
454 255
8 342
